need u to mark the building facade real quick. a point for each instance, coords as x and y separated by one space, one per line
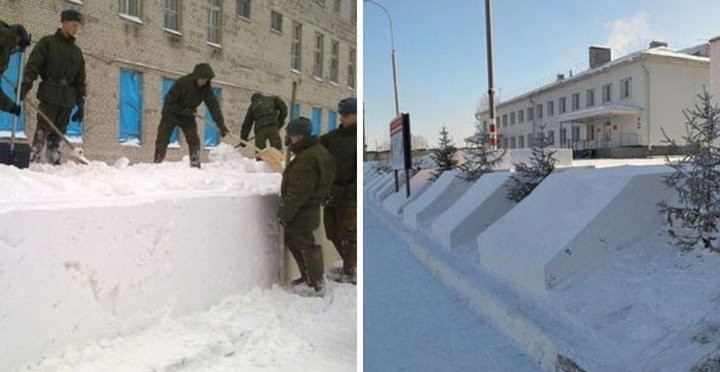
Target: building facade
135 49
622 103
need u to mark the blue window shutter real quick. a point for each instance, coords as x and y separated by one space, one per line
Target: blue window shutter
166 85
130 103
332 120
212 138
75 128
295 113
316 119
12 74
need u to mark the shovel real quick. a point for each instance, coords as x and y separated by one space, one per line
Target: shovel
77 152
270 155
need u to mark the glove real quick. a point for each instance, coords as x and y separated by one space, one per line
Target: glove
24 89
14 109
241 144
188 112
80 114
223 130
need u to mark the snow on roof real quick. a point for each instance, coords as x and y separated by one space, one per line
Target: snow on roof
659 52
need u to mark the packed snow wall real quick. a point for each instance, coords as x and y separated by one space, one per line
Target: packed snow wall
76 273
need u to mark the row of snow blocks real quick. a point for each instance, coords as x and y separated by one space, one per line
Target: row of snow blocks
382 182
480 206
419 182
74 275
571 221
440 196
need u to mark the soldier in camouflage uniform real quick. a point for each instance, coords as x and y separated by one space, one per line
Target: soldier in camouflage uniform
12 39
341 210
267 114
179 110
60 63
305 184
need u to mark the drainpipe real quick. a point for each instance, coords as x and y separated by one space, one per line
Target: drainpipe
647 102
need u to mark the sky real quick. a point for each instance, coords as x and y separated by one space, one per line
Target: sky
441 50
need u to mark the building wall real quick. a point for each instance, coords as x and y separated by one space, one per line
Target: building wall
715 68
673 86
252 58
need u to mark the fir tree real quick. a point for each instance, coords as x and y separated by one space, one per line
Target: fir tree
529 176
480 157
693 218
444 155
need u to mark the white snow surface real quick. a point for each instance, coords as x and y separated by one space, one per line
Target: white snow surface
263 330
228 172
419 182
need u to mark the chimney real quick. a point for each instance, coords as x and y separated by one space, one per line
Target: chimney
599 56
560 77
658 44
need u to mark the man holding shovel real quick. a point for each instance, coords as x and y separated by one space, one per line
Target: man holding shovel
305 182
267 114
60 63
12 39
179 110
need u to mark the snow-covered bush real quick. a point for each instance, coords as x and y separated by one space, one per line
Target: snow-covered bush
693 219
529 176
480 157
444 156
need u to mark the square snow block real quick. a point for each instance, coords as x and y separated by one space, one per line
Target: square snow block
18 156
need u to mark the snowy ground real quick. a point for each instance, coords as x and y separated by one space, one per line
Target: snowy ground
264 330
412 322
227 172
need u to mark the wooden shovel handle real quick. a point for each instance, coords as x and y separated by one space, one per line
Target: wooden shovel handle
230 135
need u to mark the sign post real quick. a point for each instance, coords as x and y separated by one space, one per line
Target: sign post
400 149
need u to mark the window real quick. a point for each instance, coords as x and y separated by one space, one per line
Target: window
130 107
530 113
521 116
130 8
504 142
575 134
550 137
626 88
590 132
318 55
539 111
353 15
551 108
512 118
530 140
606 93
243 8
316 120
590 97
512 142
276 21
334 60
214 15
337 6
172 18
13 75
521 142
351 69
563 136
296 51
575 101
210 133
504 120
562 108
166 85
332 120
295 112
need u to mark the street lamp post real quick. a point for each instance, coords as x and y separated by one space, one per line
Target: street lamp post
394 71
491 88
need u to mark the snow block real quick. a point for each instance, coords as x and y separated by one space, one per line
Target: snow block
571 221
483 204
382 183
436 200
419 182
563 157
72 275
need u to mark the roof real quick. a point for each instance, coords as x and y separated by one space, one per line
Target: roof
632 57
612 109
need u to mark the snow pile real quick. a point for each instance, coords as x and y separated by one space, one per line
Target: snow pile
442 193
263 330
419 182
227 172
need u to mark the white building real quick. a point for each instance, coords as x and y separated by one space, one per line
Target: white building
617 108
